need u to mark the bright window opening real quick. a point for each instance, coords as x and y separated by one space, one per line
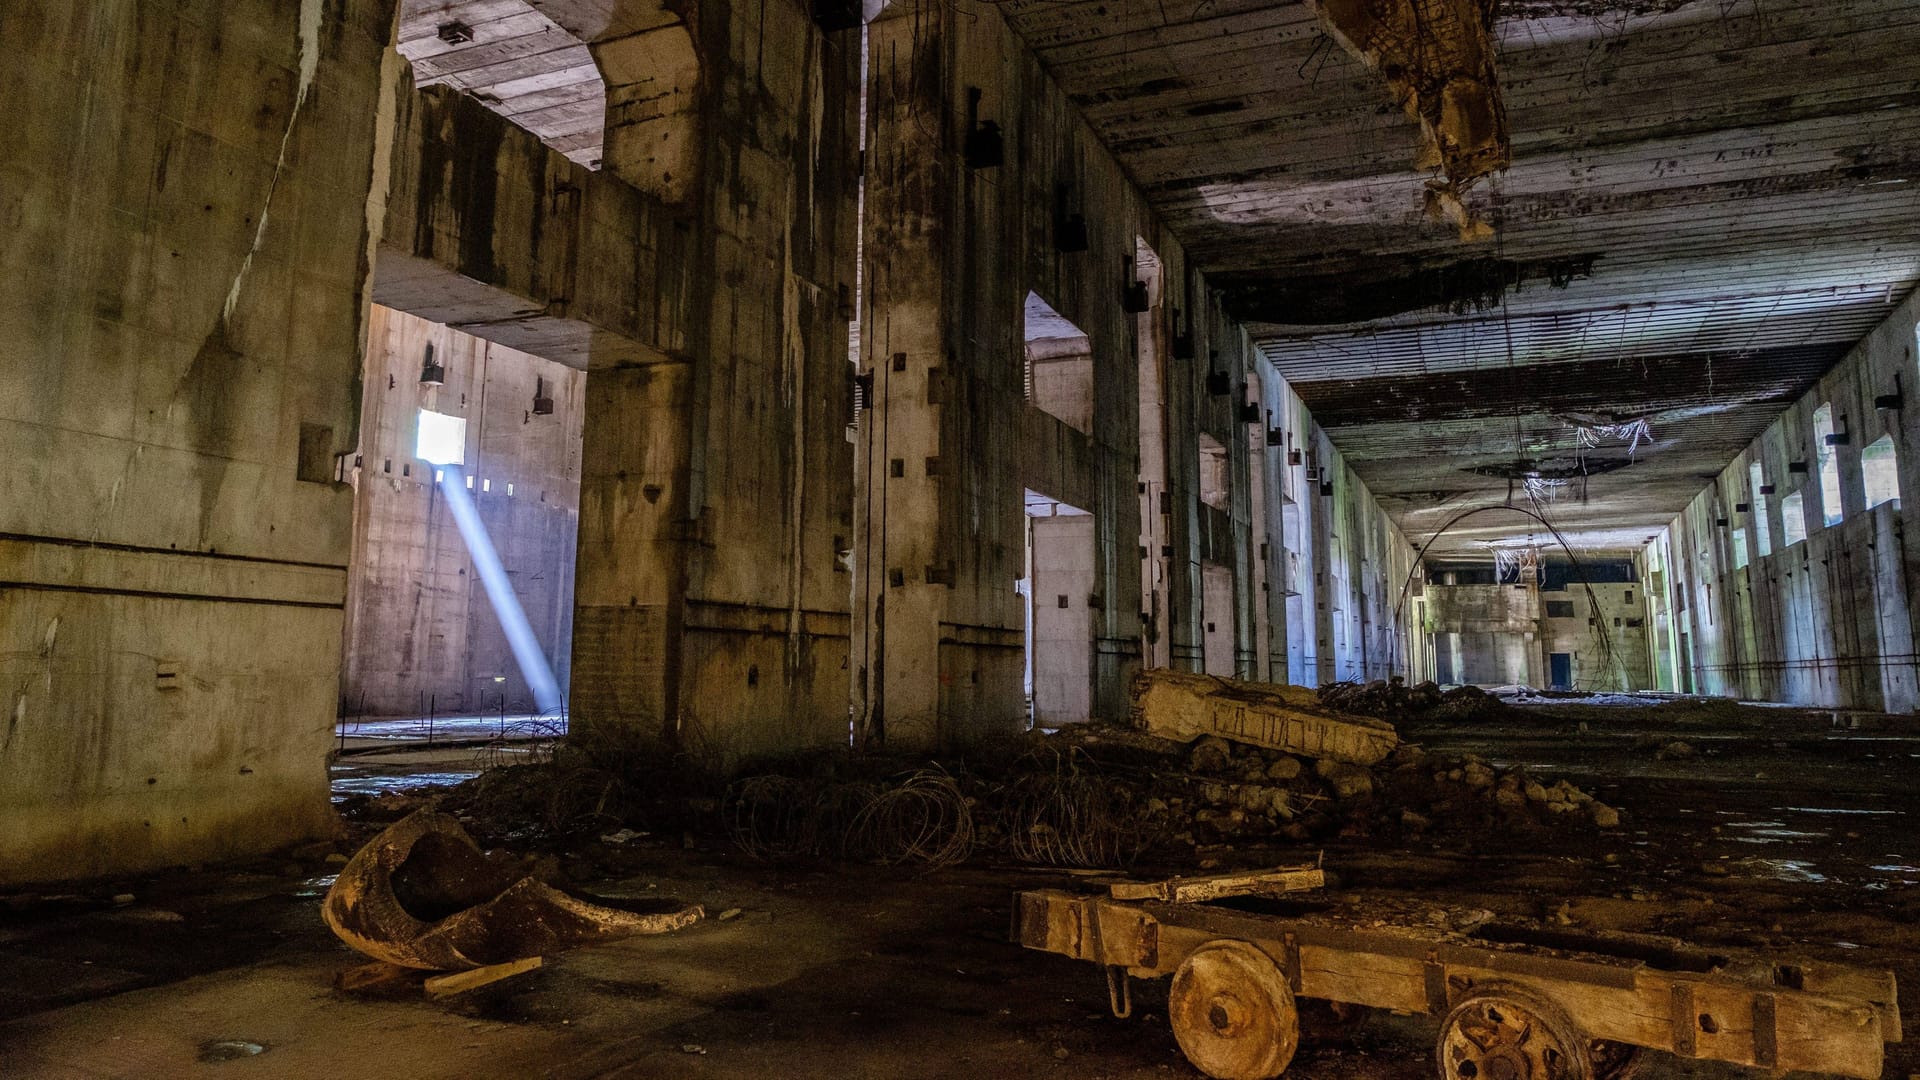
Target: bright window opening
1214 489
1739 549
1880 467
1059 366
1762 528
1793 520
441 439
1829 465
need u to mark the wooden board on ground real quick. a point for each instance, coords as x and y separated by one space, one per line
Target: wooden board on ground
1183 706
460 982
1196 890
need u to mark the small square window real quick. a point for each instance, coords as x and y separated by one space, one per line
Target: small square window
441 439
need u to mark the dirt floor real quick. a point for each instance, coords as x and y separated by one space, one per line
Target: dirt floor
1780 832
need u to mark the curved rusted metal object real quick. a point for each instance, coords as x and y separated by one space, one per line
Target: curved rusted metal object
423 895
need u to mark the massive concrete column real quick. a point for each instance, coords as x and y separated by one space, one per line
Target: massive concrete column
975 165
181 299
715 501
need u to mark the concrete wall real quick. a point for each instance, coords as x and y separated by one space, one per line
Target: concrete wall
1827 621
1342 606
1489 635
421 631
1061 631
1606 638
185 192
1496 635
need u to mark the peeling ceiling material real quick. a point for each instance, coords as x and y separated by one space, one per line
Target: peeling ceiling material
1460 287
1437 57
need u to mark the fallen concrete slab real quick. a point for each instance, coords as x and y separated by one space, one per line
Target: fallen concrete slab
1184 706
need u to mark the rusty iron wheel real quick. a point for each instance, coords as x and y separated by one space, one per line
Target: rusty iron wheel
1501 1032
1233 1012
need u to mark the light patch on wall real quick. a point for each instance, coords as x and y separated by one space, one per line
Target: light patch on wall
1829 464
441 439
1793 520
1880 469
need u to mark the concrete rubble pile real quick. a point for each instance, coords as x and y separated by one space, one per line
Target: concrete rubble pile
1394 699
1362 781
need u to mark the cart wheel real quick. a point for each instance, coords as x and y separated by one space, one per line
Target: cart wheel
1615 1060
1504 1032
1233 1012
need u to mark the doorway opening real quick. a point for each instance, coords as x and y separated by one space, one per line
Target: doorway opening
1059 588
466 486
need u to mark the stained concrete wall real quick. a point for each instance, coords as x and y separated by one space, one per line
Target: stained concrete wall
185 191
1338 604
421 631
1606 639
711 596
1063 584
1827 621
1488 635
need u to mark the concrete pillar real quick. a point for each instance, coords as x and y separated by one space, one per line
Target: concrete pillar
182 294
974 161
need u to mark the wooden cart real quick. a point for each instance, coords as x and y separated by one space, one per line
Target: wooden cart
1578 1009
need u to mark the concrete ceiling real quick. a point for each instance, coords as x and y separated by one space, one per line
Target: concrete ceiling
520 63
1709 202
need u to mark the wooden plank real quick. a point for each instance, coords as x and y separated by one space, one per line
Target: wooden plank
1194 890
460 982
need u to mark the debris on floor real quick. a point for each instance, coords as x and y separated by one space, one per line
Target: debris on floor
1393 699
422 894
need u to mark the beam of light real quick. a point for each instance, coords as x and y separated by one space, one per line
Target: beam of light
506 606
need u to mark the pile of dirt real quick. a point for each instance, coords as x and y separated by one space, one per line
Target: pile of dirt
1393 699
1251 794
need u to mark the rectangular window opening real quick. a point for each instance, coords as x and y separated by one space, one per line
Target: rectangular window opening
1880 468
441 439
1762 528
1830 510
1793 520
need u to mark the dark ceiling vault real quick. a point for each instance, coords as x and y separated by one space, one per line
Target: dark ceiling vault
1708 203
